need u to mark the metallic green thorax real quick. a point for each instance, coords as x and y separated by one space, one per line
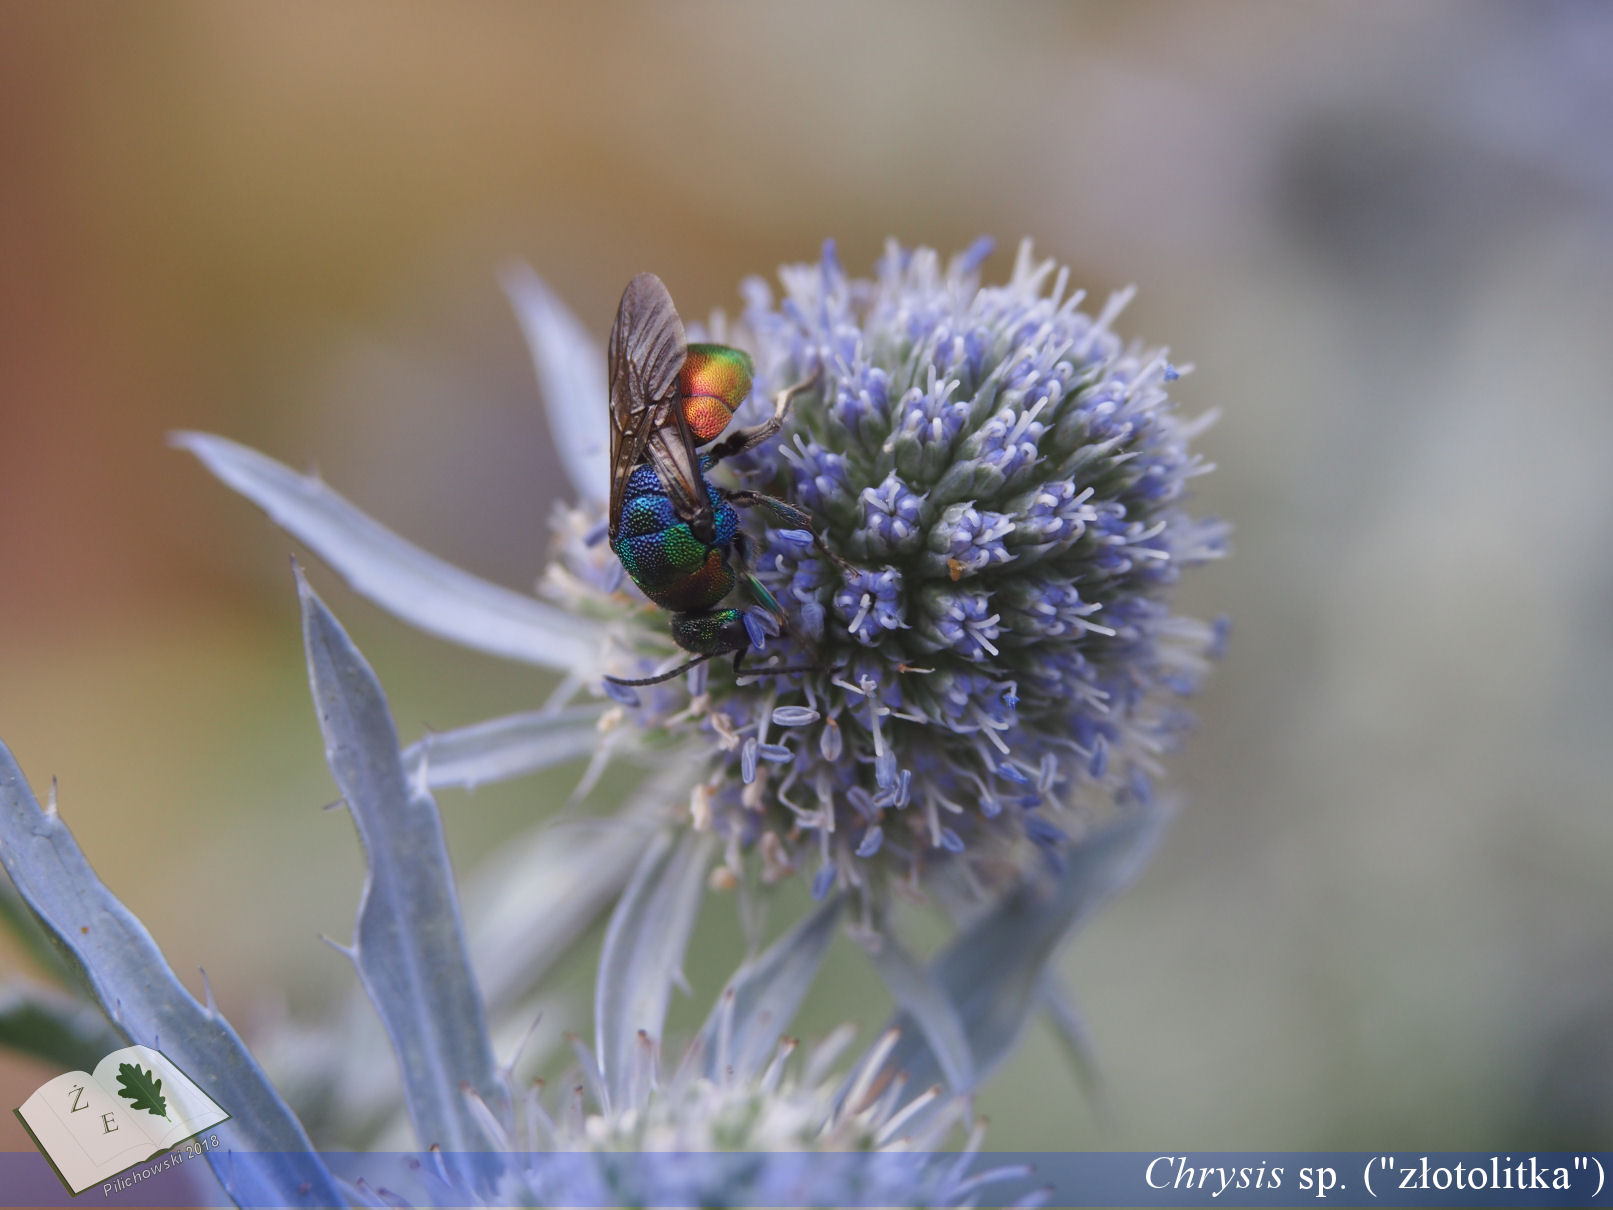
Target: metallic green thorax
673 567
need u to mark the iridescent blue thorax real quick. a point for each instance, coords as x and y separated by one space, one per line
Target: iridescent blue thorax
662 554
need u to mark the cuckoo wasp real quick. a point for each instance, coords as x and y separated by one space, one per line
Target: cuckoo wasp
677 534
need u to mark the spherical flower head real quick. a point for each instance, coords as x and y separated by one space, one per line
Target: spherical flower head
981 647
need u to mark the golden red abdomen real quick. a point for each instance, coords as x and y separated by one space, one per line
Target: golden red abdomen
714 381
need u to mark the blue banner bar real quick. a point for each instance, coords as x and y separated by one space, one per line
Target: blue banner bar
789 1180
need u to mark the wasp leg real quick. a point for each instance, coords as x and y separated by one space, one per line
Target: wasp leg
665 676
789 515
741 440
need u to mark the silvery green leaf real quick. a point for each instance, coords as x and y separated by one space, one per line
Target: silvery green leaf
502 748
571 375
531 902
763 996
416 586
409 947
265 1157
1070 1026
65 1033
643 954
922 999
992 971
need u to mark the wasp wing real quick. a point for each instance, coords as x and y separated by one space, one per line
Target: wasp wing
647 350
672 453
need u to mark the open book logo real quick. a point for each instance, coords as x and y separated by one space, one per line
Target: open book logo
135 1106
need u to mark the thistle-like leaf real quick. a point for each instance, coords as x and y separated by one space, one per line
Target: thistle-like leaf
265 1157
923 1000
142 1089
502 748
528 905
643 954
571 376
410 946
992 971
526 908
418 587
764 995
1070 1028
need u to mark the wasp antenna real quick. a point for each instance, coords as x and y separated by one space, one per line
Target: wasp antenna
665 676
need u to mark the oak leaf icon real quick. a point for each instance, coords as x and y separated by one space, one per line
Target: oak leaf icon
141 1089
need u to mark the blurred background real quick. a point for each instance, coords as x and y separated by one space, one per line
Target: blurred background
1383 233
